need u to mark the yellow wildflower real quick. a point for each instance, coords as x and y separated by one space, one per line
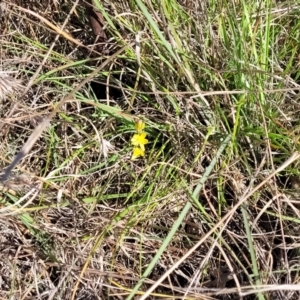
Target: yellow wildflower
139 126
139 140
137 152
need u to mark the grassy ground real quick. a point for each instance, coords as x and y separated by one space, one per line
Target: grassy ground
209 209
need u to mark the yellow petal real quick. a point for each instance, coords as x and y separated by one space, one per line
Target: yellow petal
139 126
139 140
137 152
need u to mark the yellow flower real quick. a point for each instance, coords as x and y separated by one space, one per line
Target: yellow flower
139 140
139 126
137 152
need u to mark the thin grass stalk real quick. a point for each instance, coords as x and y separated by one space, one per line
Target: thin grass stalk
252 251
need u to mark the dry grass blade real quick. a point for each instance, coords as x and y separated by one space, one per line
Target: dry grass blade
52 26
